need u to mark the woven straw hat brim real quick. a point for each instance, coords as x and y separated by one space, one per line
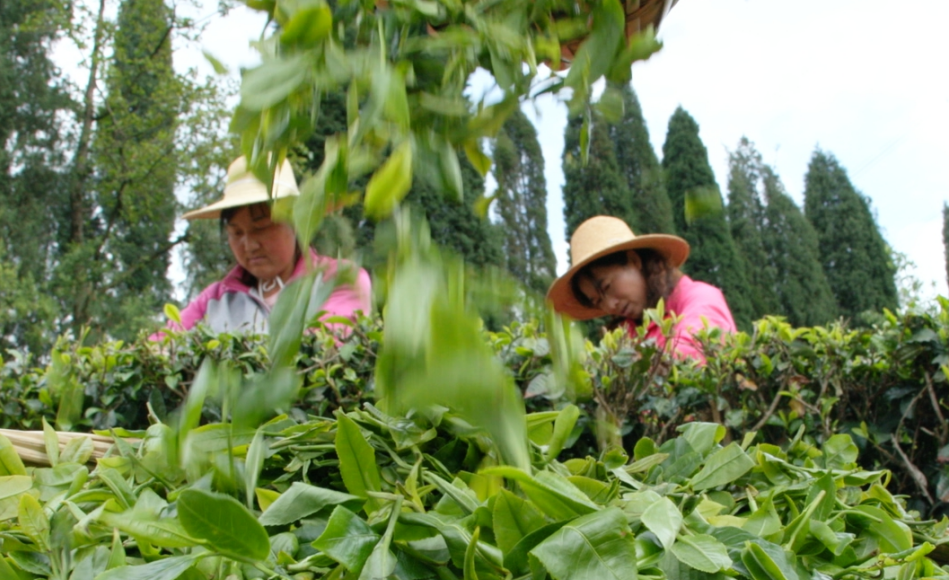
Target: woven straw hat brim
561 295
245 189
257 195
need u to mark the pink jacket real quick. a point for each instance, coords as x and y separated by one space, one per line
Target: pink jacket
692 300
230 305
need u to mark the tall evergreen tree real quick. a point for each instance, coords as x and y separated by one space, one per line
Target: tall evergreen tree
691 185
854 255
945 235
597 188
522 203
650 208
34 101
82 225
746 217
136 163
792 248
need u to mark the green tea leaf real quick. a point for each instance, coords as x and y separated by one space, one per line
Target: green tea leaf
702 552
470 571
220 69
302 500
347 539
773 561
224 524
266 394
120 488
164 533
78 450
840 452
478 159
597 546
288 319
357 461
390 183
551 493
723 467
62 380
10 462
308 26
50 441
893 535
513 519
563 427
254 462
11 487
517 559
702 437
381 561
117 554
701 202
166 569
664 519
272 82
33 521
7 571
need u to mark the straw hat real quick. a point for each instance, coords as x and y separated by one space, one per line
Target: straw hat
600 236
243 188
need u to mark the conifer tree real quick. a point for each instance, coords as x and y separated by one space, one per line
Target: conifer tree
522 203
945 235
746 217
34 100
691 185
597 188
792 248
651 210
854 255
136 164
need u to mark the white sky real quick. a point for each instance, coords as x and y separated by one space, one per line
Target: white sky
863 79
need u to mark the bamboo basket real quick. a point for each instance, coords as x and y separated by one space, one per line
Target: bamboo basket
639 15
31 445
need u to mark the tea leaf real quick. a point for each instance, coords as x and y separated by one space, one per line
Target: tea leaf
347 539
723 467
166 569
702 552
224 524
597 546
302 500
664 519
357 461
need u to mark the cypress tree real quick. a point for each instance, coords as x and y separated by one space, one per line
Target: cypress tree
34 100
945 235
792 248
690 181
854 255
597 188
746 217
136 164
651 210
522 203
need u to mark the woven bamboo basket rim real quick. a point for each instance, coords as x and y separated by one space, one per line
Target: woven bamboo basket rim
640 14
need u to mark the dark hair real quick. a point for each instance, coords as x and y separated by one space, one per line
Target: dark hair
658 273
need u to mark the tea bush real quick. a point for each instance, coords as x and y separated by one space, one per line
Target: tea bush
885 385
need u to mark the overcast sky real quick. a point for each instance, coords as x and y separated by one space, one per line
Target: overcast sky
861 79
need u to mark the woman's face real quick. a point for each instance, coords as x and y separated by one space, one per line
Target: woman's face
617 289
261 246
